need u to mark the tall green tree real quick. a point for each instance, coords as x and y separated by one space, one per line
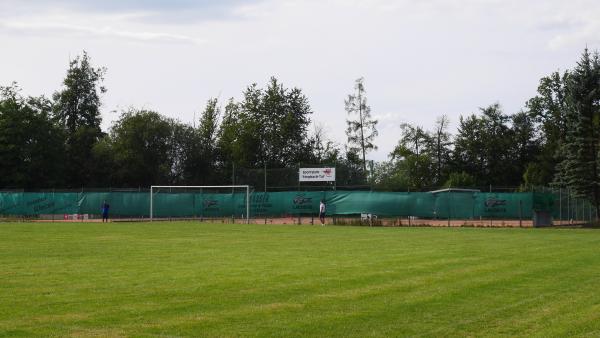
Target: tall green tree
526 150
228 136
494 148
31 143
185 155
548 111
105 171
580 169
350 169
482 148
414 156
269 127
420 159
414 140
285 120
199 148
441 144
142 143
361 127
77 106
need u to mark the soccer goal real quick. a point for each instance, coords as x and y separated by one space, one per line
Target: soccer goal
200 202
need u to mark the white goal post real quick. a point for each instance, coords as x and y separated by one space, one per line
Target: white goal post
246 187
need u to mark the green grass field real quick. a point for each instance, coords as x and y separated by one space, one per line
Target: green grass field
192 279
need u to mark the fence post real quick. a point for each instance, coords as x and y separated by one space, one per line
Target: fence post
491 217
569 205
560 205
263 199
449 205
575 211
520 213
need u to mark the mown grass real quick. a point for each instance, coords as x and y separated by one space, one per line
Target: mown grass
192 279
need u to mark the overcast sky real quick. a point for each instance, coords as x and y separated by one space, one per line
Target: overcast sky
420 59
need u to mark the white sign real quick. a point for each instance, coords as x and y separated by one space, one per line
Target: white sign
317 174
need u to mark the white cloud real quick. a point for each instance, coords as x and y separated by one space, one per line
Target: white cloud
584 34
59 27
420 59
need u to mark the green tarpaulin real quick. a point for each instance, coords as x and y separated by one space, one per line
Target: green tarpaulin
445 204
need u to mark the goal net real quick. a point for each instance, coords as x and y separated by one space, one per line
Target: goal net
200 202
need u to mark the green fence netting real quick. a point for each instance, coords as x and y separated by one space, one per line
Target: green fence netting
30 204
443 205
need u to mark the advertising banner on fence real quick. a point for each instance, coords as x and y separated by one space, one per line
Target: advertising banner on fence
317 174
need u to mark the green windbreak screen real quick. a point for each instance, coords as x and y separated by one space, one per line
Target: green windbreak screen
30 204
455 205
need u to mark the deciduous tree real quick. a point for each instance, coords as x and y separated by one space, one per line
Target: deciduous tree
31 143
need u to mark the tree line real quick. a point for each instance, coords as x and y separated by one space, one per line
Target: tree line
554 140
57 142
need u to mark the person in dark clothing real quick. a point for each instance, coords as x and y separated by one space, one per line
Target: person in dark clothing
105 207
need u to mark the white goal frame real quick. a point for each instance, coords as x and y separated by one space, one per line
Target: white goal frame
247 187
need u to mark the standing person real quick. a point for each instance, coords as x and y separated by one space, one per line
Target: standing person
322 209
105 207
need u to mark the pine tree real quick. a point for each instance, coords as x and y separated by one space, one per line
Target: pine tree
361 132
441 144
580 170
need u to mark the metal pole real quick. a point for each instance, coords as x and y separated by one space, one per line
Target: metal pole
265 195
491 217
449 206
568 206
473 207
247 204
233 190
520 213
560 205
299 220
151 203
590 211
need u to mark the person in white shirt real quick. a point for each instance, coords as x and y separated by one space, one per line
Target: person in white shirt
322 212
